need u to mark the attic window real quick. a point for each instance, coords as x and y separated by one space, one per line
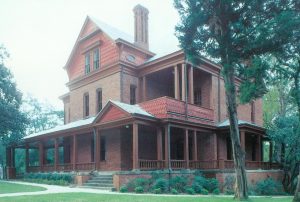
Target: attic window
87 63
130 58
96 58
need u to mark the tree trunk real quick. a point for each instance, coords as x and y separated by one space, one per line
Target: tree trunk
297 191
297 97
241 189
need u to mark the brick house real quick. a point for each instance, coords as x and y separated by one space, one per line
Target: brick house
130 110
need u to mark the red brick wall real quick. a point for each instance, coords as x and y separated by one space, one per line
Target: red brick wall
84 143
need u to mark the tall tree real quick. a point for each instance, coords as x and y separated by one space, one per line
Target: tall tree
237 34
41 115
12 120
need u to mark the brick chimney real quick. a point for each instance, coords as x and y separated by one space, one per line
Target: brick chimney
141 26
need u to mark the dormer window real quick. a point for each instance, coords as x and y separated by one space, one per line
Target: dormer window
96 58
87 63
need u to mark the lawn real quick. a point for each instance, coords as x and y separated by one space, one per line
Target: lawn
88 197
6 187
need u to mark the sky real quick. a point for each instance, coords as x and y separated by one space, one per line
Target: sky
40 34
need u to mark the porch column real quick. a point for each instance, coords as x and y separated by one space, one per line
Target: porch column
215 146
26 157
195 147
97 150
56 152
183 82
41 153
8 157
186 147
243 140
159 143
191 85
167 147
176 83
258 151
144 93
135 146
74 151
13 156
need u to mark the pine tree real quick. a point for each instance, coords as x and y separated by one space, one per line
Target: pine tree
238 34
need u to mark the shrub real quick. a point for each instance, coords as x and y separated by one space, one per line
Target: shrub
211 184
123 189
228 185
156 175
49 178
162 184
174 191
139 189
141 182
190 190
157 191
179 183
204 191
216 191
197 188
268 187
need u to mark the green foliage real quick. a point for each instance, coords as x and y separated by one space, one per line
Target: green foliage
49 178
204 192
228 185
157 191
174 191
156 174
216 191
161 184
268 187
139 189
12 121
190 190
179 183
209 184
123 189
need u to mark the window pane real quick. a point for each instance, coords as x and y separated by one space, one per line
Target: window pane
99 100
132 95
96 59
86 105
87 63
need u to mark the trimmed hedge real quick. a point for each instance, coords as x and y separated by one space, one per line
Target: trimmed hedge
49 178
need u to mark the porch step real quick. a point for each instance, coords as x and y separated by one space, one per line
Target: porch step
98 181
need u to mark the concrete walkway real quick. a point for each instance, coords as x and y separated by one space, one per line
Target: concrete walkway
52 189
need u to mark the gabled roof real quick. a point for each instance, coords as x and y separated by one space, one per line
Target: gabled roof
112 32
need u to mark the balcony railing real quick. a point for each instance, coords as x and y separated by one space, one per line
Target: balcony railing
167 107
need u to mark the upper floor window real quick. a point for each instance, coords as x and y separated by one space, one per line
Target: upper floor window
197 97
252 111
96 58
132 94
87 63
86 109
99 99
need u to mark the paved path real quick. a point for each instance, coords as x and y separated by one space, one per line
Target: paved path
51 189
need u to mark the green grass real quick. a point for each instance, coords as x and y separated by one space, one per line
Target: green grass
88 197
6 187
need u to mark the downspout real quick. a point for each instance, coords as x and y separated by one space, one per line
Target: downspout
219 102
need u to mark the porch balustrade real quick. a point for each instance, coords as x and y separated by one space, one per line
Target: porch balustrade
151 164
85 166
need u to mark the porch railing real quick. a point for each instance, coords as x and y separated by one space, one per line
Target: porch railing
178 164
151 164
85 166
204 164
65 167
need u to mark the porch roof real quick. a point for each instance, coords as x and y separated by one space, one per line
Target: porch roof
240 122
131 109
67 126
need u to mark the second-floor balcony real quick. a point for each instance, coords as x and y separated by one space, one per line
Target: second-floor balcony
171 108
